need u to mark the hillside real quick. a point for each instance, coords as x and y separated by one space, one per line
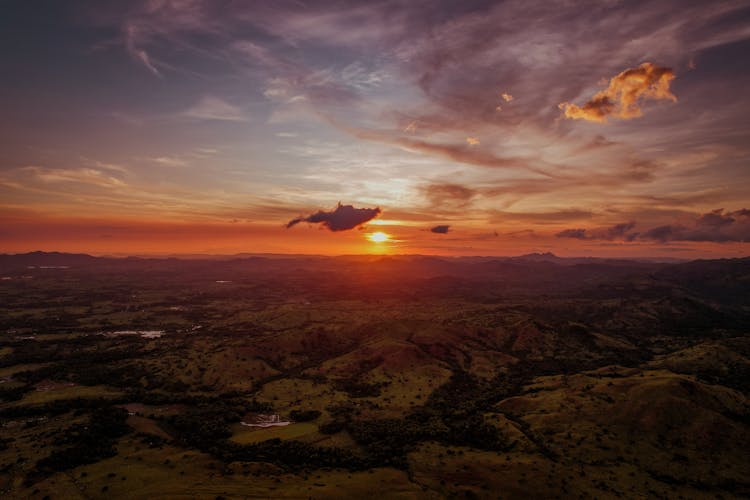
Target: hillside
409 376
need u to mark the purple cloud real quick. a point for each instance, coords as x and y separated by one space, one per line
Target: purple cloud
616 232
342 218
716 226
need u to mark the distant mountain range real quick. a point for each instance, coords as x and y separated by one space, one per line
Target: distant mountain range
40 258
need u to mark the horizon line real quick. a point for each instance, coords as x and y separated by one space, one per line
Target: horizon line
206 255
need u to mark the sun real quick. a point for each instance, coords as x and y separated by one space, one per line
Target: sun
378 237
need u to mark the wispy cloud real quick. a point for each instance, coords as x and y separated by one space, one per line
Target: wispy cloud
139 54
462 153
442 194
214 108
169 161
74 175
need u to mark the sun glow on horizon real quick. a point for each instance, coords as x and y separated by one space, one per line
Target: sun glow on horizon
378 237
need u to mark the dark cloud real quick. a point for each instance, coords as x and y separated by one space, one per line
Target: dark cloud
447 193
639 171
616 232
342 218
441 229
717 226
578 234
500 216
661 233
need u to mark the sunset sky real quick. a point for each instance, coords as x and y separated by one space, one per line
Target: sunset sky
605 128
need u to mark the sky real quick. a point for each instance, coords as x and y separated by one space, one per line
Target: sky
605 128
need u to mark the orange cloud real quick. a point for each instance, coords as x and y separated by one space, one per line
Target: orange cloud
623 96
472 141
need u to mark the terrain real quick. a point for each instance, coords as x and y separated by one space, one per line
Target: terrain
383 376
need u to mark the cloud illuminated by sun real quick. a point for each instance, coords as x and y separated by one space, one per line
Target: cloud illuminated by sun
378 237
